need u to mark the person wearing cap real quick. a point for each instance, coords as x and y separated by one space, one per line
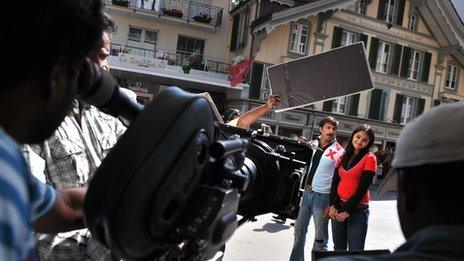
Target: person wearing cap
233 118
315 200
349 194
426 171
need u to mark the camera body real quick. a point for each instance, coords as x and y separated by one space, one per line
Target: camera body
174 183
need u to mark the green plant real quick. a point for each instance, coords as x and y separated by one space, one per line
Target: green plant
186 67
173 12
203 18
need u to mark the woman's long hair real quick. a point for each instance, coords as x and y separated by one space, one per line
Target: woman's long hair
349 159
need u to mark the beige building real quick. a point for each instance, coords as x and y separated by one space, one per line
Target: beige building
415 51
170 43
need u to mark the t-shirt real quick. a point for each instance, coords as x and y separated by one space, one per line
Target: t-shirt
350 179
322 180
23 199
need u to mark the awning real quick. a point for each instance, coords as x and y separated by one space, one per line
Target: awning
303 11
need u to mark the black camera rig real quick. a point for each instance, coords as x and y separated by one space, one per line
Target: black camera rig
174 183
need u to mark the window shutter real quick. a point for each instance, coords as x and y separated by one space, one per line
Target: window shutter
405 63
327 106
376 100
382 6
233 39
400 14
363 38
420 106
373 52
398 108
396 59
354 104
256 78
337 37
426 67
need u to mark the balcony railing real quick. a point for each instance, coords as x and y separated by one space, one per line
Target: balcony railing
185 10
199 61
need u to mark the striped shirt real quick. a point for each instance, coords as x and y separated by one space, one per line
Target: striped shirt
23 199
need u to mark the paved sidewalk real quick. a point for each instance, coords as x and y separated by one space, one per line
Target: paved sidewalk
267 239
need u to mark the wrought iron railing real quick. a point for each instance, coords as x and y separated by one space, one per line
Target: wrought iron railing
197 61
186 10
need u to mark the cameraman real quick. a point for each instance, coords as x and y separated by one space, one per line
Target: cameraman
36 96
315 200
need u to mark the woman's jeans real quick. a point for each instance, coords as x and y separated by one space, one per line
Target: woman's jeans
351 234
312 204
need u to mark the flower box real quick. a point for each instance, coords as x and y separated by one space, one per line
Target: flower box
123 3
173 12
203 18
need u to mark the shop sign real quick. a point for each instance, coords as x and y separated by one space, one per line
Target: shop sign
393 134
346 126
379 132
293 118
142 61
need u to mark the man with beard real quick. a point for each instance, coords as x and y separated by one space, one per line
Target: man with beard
35 97
315 199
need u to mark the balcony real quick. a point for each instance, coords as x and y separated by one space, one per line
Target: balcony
198 14
200 62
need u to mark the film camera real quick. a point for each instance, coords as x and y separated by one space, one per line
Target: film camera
173 185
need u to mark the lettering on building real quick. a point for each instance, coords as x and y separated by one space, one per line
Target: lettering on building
142 61
402 84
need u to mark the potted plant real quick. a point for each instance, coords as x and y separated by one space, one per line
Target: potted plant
186 68
173 12
203 18
124 3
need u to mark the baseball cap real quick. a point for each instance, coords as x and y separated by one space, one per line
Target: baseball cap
436 136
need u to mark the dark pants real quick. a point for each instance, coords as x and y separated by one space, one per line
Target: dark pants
351 234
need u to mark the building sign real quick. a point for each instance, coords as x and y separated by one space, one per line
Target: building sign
393 134
345 126
142 61
382 27
293 118
402 84
379 132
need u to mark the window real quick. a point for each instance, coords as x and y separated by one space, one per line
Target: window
135 34
407 109
239 31
390 11
412 22
142 36
141 42
339 105
348 38
451 76
414 64
360 7
299 38
150 37
378 103
187 47
383 55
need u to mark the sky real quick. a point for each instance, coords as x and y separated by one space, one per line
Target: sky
459 5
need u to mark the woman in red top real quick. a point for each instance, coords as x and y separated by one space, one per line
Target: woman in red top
349 195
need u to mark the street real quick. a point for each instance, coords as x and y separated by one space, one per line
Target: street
267 239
